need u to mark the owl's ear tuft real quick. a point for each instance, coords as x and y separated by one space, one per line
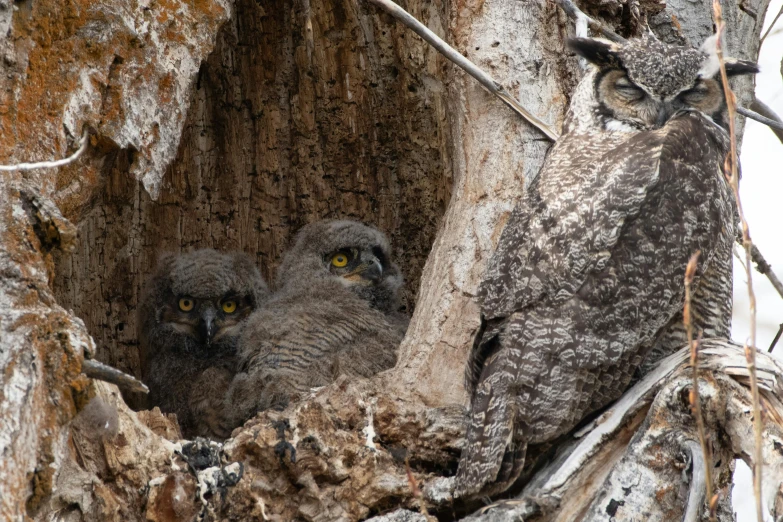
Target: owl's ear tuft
740 67
597 52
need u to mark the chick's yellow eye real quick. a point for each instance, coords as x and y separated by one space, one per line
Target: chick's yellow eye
229 307
185 304
339 260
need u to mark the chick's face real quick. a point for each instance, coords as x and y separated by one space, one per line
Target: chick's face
206 320
356 266
355 255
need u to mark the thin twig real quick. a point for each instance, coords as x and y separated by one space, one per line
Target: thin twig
103 372
695 400
776 339
761 42
764 268
750 352
415 490
52 164
469 67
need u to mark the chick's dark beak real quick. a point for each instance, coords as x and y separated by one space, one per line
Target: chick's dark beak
206 326
373 270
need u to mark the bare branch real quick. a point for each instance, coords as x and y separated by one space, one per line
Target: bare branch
764 268
769 29
776 339
750 352
466 65
770 121
695 400
52 164
103 372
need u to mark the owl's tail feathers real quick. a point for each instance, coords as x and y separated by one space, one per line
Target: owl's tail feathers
493 457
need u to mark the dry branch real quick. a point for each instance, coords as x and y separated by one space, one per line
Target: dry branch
103 372
695 399
732 173
83 143
770 119
469 67
577 14
771 26
764 268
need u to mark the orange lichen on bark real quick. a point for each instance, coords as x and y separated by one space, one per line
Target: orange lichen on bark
78 63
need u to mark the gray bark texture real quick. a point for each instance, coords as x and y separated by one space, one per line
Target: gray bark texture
229 124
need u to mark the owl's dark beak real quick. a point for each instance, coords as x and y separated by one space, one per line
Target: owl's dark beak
369 271
664 113
374 271
206 326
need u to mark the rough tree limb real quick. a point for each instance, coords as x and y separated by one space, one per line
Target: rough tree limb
605 475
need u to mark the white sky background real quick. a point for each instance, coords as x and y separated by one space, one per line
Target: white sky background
761 190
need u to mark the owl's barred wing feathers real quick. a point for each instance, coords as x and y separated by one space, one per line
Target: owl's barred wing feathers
587 274
564 228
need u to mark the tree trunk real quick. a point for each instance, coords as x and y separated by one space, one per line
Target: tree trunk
233 135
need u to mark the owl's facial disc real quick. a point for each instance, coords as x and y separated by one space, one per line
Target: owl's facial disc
643 83
625 102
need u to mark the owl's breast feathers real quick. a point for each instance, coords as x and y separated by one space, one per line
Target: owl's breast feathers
588 271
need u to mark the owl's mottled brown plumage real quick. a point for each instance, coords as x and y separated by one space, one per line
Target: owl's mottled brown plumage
335 312
189 356
588 273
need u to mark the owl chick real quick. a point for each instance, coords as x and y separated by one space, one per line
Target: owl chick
335 312
587 278
190 315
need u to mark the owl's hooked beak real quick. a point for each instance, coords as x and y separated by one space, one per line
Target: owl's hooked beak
369 270
374 271
206 325
665 112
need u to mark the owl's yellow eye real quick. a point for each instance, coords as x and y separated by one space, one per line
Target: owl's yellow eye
339 260
229 307
185 304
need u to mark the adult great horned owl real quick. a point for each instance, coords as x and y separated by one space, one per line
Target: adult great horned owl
335 312
587 278
190 315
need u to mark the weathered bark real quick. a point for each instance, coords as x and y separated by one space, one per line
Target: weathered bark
303 110
126 71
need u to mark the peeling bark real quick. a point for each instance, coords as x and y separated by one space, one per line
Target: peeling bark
124 71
